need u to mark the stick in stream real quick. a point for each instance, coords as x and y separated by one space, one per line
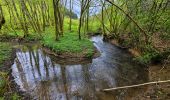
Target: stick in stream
124 87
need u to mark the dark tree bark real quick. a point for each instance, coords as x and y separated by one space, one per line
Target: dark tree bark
2 19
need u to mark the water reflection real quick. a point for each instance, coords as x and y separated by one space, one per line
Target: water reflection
46 79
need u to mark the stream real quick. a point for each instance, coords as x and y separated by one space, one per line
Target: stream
45 78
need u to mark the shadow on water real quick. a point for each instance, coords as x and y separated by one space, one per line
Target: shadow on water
47 79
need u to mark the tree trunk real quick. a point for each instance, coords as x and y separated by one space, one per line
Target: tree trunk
2 19
56 18
143 31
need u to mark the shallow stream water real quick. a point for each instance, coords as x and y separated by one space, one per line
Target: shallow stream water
45 78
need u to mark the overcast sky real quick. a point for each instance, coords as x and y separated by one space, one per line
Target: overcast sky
76 7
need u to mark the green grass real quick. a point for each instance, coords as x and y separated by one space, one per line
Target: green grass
5 52
74 26
3 83
68 43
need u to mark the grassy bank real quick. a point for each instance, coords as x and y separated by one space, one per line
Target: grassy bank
5 54
69 45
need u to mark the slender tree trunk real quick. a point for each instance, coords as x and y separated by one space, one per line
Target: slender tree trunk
103 26
2 19
79 28
19 17
87 16
24 18
56 19
143 31
70 24
43 14
84 6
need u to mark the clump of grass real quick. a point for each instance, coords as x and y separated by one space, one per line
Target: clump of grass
5 52
15 96
3 83
69 43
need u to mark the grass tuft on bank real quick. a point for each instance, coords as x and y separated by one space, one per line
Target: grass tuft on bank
69 44
5 52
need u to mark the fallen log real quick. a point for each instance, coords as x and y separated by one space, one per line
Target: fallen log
131 86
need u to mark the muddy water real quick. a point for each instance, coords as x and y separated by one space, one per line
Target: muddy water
48 79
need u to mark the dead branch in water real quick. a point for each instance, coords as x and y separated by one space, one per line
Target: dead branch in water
125 87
